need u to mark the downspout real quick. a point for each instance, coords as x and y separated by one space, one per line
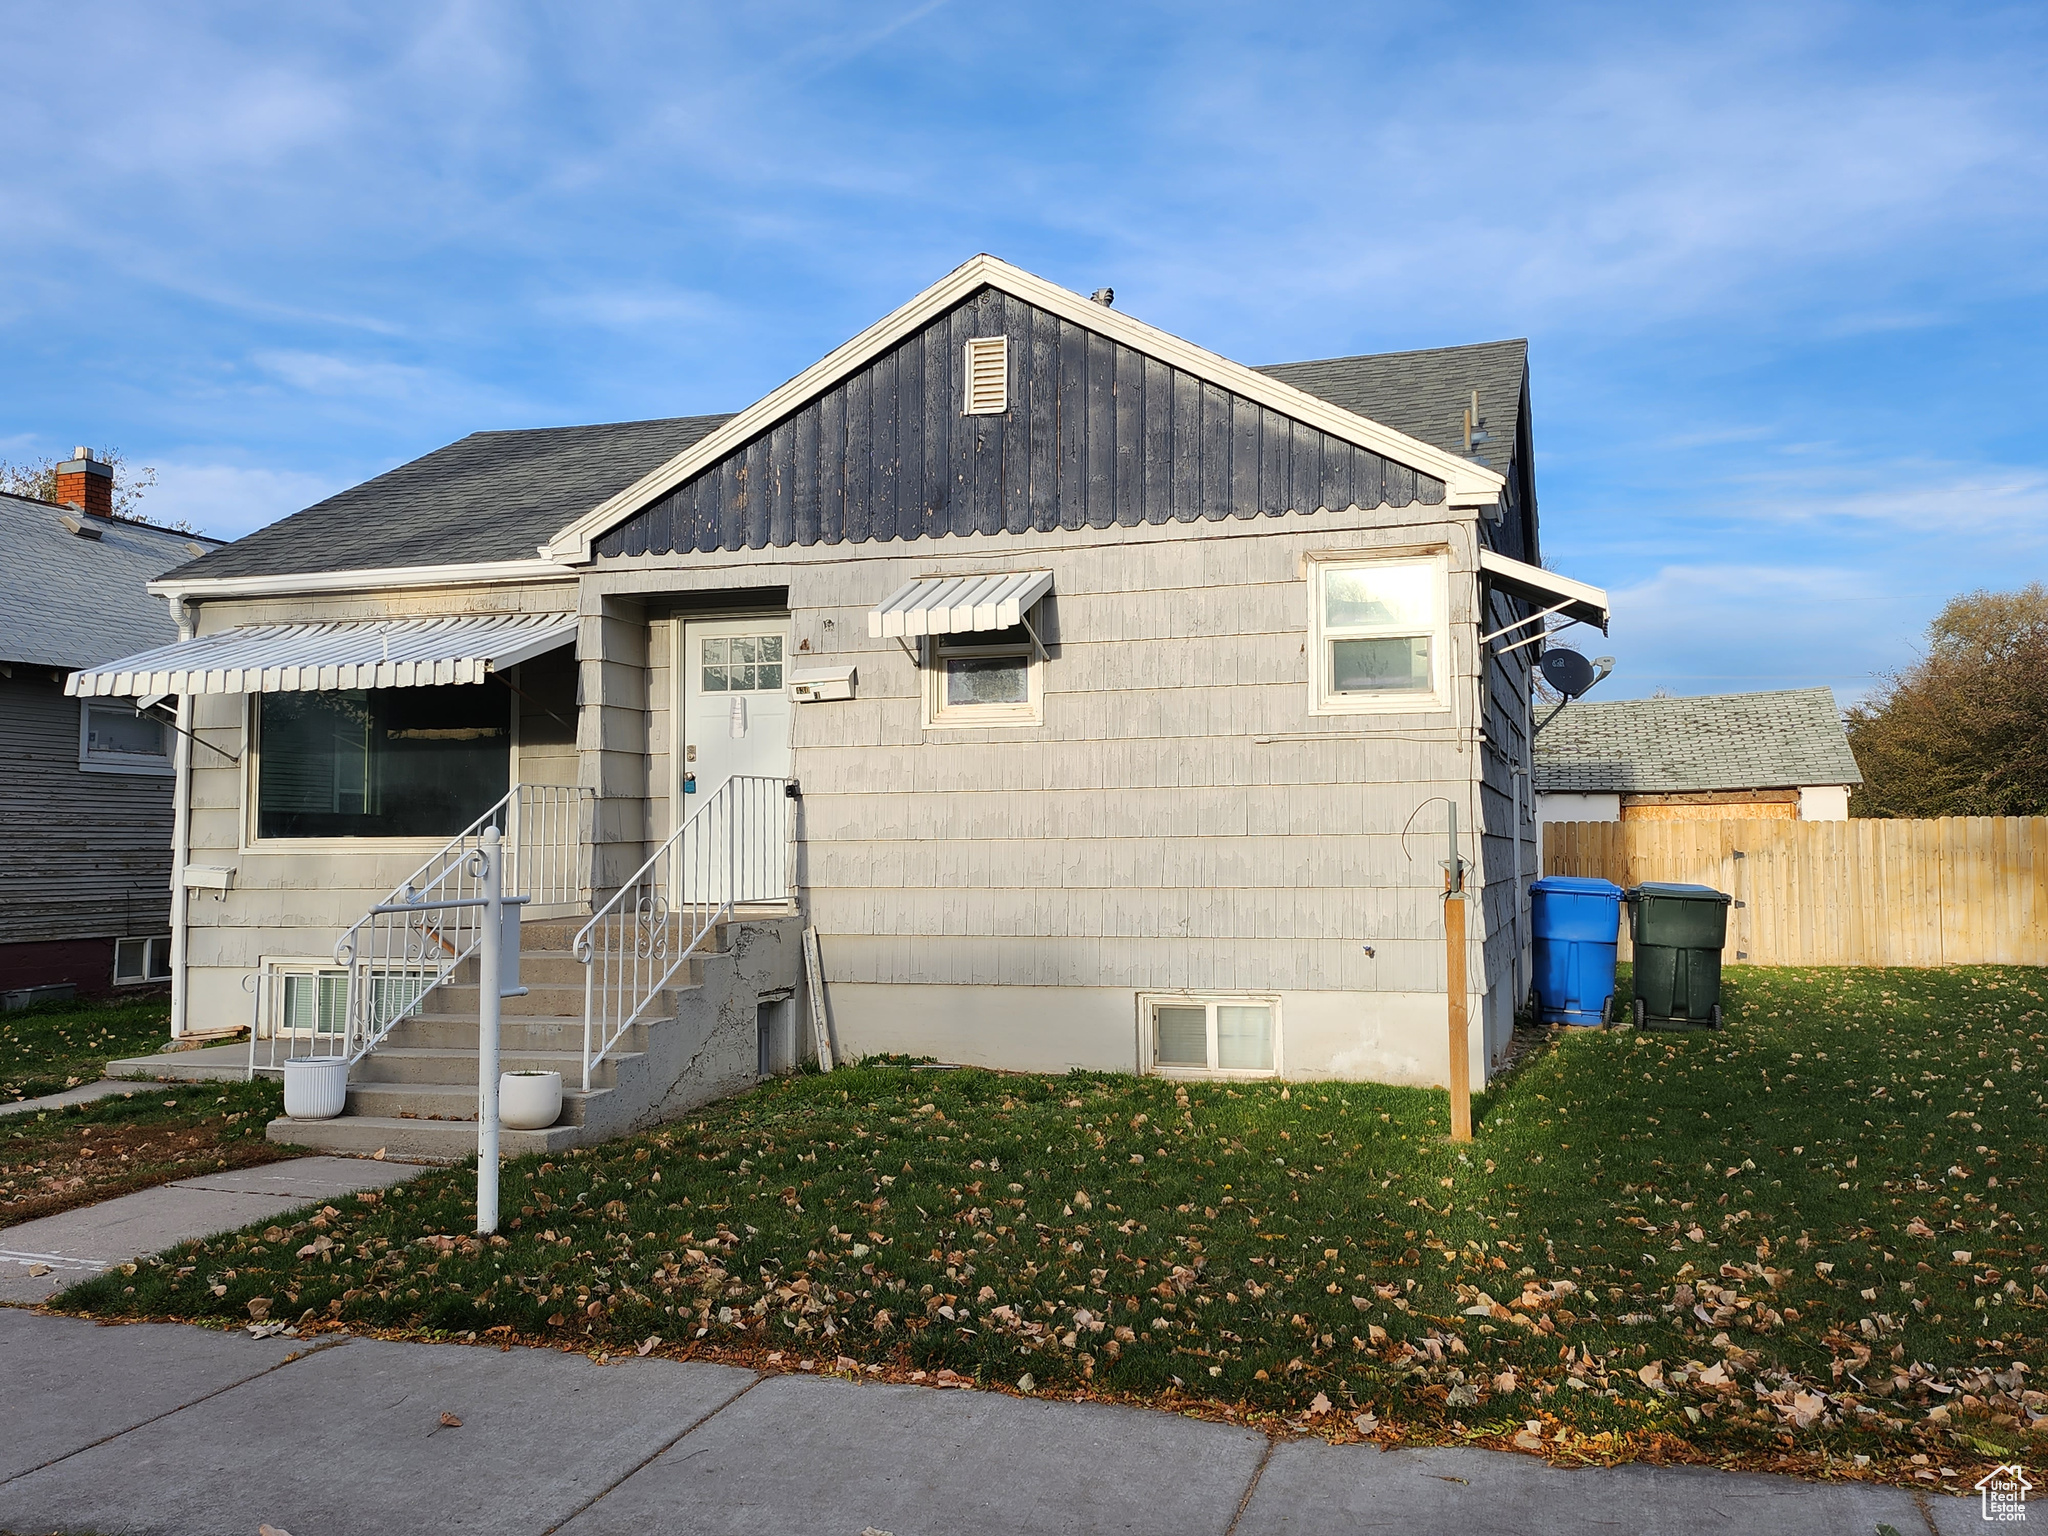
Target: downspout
181 834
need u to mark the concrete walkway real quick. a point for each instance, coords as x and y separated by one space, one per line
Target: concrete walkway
161 1428
40 1258
84 1093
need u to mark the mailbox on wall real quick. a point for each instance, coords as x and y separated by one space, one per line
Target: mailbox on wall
815 685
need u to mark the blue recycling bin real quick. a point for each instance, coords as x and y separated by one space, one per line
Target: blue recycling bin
1576 924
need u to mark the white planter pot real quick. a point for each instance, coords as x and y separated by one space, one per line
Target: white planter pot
315 1087
529 1101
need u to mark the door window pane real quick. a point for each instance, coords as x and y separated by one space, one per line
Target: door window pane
714 665
1244 1037
384 762
1183 1036
1399 665
988 680
741 663
1378 596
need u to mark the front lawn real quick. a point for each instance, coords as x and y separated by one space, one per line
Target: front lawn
53 1160
54 1046
1813 1232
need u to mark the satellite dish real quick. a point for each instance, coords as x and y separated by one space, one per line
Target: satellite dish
1568 672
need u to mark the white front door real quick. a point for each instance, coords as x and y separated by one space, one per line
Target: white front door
734 698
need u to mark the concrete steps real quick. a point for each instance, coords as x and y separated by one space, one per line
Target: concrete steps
415 1096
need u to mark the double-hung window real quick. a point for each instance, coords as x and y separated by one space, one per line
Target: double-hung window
1382 633
1228 1036
985 677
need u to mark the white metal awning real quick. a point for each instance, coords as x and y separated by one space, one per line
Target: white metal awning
299 658
953 605
1546 589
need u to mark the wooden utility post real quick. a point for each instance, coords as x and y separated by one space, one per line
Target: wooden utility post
1454 985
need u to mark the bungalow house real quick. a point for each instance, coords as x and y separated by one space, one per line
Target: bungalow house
1778 756
1099 701
85 784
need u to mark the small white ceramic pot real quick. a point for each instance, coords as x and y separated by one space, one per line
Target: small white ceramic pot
315 1087
529 1101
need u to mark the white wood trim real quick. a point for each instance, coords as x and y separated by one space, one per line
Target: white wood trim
1467 484
368 579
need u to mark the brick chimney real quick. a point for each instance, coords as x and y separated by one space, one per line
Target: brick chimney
86 483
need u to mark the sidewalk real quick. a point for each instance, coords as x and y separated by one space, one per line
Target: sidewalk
40 1258
162 1428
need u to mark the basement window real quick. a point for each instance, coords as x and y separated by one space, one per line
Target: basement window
1381 633
140 961
1224 1036
988 376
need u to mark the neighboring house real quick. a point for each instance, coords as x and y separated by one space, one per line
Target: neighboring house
1780 756
1121 692
85 784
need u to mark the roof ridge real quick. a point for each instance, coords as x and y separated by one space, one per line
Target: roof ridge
1380 357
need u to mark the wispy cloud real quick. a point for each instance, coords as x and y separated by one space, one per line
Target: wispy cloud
229 500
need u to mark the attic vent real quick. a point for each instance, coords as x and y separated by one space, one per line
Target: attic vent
988 376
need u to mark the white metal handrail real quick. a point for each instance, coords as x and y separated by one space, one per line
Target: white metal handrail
412 941
731 850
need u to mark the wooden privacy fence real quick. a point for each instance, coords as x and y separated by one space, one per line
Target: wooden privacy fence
1960 891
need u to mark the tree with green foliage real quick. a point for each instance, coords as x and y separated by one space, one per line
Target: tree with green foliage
1964 730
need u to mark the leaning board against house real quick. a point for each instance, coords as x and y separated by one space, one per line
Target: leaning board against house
1104 675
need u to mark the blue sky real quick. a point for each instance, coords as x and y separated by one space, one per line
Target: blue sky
1782 268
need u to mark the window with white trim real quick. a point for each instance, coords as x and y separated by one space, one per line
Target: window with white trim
1382 633
1226 1036
985 677
113 738
310 999
140 961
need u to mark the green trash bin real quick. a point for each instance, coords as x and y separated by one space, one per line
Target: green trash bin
1677 932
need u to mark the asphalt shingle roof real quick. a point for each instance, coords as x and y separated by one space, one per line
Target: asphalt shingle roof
499 495
490 496
1424 394
1715 741
67 601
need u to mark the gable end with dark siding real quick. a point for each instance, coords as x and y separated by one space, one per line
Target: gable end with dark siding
1097 435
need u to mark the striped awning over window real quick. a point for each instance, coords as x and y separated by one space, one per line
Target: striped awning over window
955 605
300 658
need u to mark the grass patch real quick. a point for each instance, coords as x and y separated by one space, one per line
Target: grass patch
54 1160
54 1046
1814 1231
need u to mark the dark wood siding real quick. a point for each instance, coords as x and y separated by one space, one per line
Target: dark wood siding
1097 435
82 855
